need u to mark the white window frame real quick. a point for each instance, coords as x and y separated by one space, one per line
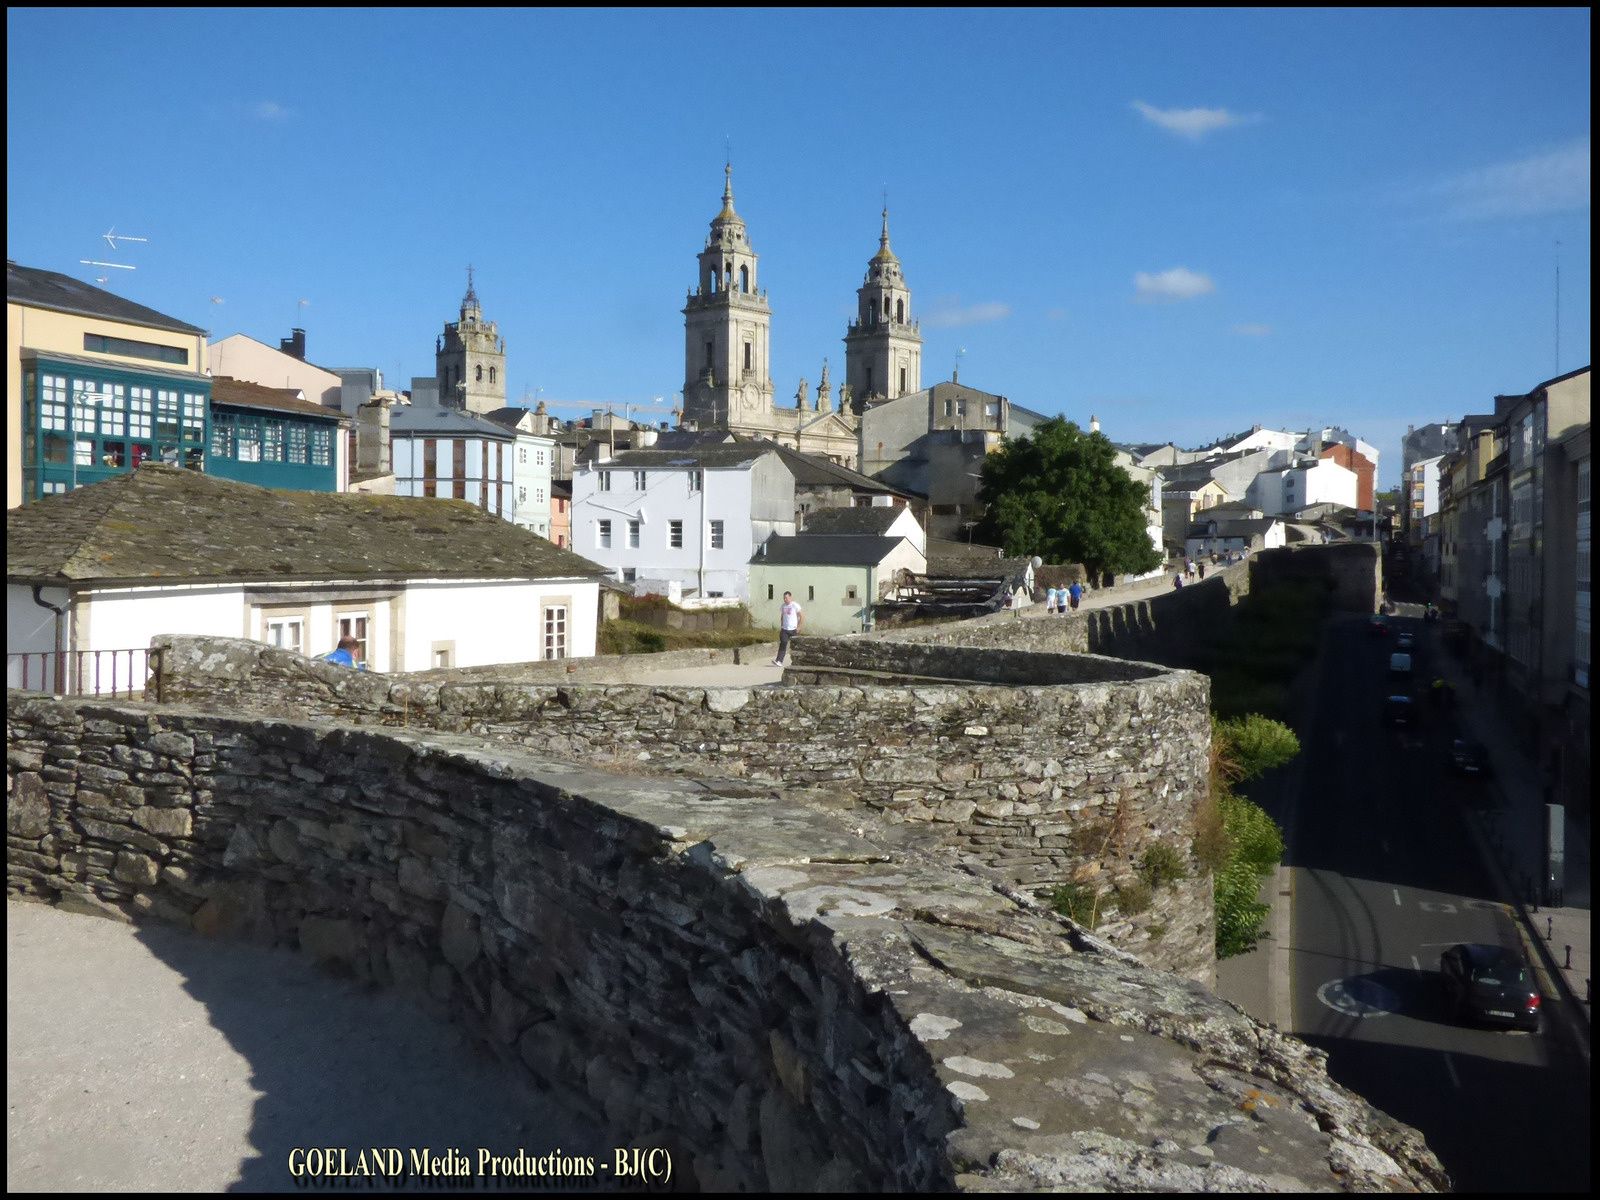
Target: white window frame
639 481
717 539
275 629
634 527
555 631
603 481
602 533
675 534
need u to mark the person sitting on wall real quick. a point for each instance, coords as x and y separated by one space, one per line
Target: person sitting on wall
345 655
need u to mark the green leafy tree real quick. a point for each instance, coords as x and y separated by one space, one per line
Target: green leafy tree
1060 494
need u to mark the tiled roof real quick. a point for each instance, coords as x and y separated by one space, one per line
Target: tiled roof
63 293
163 523
252 395
874 521
842 551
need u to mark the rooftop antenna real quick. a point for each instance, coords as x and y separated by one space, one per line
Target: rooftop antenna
955 374
95 262
299 307
112 237
218 300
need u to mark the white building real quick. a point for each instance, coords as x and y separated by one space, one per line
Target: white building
836 578
449 454
868 521
531 473
692 516
1307 482
93 575
1241 535
1260 438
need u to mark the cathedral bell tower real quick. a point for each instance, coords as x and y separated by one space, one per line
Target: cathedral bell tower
882 348
727 329
470 359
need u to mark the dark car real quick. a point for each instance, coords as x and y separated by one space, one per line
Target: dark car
1378 626
1399 710
1406 642
1490 983
1470 758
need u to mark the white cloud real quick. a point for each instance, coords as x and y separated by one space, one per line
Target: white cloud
952 315
1552 181
1180 283
1193 123
1249 330
269 110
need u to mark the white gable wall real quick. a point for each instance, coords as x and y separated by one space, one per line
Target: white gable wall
493 621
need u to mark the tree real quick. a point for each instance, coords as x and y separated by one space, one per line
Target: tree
1060 494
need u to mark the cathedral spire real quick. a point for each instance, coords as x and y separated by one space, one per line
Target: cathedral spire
469 302
727 215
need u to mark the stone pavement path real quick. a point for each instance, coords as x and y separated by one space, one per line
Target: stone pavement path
148 1059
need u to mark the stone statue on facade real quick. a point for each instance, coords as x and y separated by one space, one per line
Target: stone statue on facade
824 391
800 393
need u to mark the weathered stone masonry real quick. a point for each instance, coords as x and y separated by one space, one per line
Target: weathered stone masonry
1068 769
782 998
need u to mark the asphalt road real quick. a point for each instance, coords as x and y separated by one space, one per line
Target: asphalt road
1385 878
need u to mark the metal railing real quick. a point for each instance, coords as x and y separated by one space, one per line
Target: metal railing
80 672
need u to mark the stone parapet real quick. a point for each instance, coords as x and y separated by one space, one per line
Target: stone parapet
784 997
1044 780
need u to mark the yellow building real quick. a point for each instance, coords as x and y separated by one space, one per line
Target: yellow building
95 385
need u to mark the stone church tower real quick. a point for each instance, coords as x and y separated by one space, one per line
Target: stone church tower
727 330
882 349
471 352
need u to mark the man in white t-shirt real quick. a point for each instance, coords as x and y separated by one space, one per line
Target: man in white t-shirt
790 617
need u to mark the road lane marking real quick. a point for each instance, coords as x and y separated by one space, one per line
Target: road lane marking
1358 997
1397 897
1450 1066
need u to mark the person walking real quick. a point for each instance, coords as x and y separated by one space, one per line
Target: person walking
1202 568
790 618
1177 580
1050 601
1074 594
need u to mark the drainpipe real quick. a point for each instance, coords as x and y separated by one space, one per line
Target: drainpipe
60 613
704 531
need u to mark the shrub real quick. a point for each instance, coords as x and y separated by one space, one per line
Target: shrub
1077 902
1210 845
1239 913
1156 932
1161 864
1133 897
1251 745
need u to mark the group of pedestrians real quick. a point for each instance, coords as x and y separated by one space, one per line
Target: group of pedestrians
1059 600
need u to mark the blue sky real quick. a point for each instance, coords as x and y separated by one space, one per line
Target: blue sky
1184 222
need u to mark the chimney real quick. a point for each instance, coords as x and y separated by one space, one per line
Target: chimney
1094 424
372 435
294 344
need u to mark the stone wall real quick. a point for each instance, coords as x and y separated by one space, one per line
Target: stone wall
1353 571
1049 782
612 668
783 999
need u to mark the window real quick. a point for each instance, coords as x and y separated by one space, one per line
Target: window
458 464
716 535
538 495
249 442
811 592
769 591
555 631
744 279
522 455
167 412
522 495
850 592
538 458
491 374
99 344
710 350
272 441
902 381
298 438
675 534
697 480
286 633
603 534
222 437
749 356
949 408
53 401
630 575
194 414
353 625
603 481
633 535
638 481
321 447
430 461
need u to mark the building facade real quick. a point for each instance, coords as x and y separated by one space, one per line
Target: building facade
95 385
836 579
449 454
274 437
883 346
470 359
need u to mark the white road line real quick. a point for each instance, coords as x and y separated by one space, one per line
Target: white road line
1450 1066
1397 897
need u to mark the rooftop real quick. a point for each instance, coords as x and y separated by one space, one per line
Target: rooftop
241 394
63 293
874 521
164 523
844 550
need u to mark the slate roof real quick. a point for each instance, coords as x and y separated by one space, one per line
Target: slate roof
811 470
63 293
1242 527
415 419
874 521
164 523
709 457
241 394
841 551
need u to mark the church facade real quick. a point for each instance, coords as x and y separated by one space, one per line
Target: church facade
728 341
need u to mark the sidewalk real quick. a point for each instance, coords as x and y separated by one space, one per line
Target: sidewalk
1510 836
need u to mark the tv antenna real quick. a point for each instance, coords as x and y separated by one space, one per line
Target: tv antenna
218 300
112 237
95 262
1558 306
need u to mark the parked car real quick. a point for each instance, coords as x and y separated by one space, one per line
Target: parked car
1399 710
1400 666
1470 758
1406 642
1378 626
1490 983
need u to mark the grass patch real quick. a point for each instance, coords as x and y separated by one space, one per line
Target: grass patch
1077 902
1133 897
1160 865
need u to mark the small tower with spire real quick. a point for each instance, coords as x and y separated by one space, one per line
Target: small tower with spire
727 328
470 359
882 347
